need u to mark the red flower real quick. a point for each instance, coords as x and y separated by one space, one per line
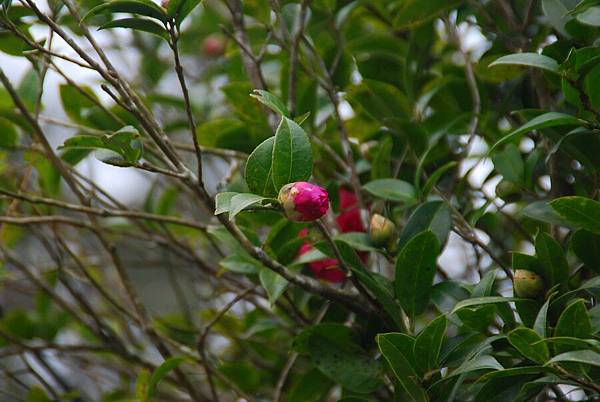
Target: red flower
326 269
303 201
349 218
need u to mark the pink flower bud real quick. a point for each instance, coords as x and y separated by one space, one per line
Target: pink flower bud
303 201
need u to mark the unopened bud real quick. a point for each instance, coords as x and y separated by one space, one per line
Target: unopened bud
381 230
527 284
303 201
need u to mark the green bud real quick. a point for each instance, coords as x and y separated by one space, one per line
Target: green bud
381 230
527 284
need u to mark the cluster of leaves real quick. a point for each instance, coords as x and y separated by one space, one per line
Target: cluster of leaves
494 152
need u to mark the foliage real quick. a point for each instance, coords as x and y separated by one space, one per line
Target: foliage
476 160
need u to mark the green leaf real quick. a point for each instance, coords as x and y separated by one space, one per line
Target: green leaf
402 369
591 17
575 342
179 9
578 356
137 24
414 13
392 190
479 363
161 371
515 371
543 212
380 168
145 8
586 246
357 240
273 283
435 176
432 215
509 164
549 119
524 340
258 173
340 358
271 101
557 13
383 294
8 134
30 87
381 101
552 260
239 202
581 211
540 323
312 386
415 269
529 60
478 301
292 154
75 103
223 202
429 344
124 143
573 322
241 263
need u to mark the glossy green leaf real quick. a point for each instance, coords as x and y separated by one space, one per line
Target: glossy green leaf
145 8
552 260
549 119
241 263
524 340
271 101
258 173
161 372
357 240
541 321
557 13
435 177
509 164
391 189
223 202
529 60
239 202
586 245
591 16
124 144
292 154
342 360
429 344
432 215
573 322
415 269
578 356
273 283
478 301
380 168
137 24
581 211
402 369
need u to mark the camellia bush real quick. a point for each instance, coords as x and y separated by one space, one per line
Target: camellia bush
337 200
